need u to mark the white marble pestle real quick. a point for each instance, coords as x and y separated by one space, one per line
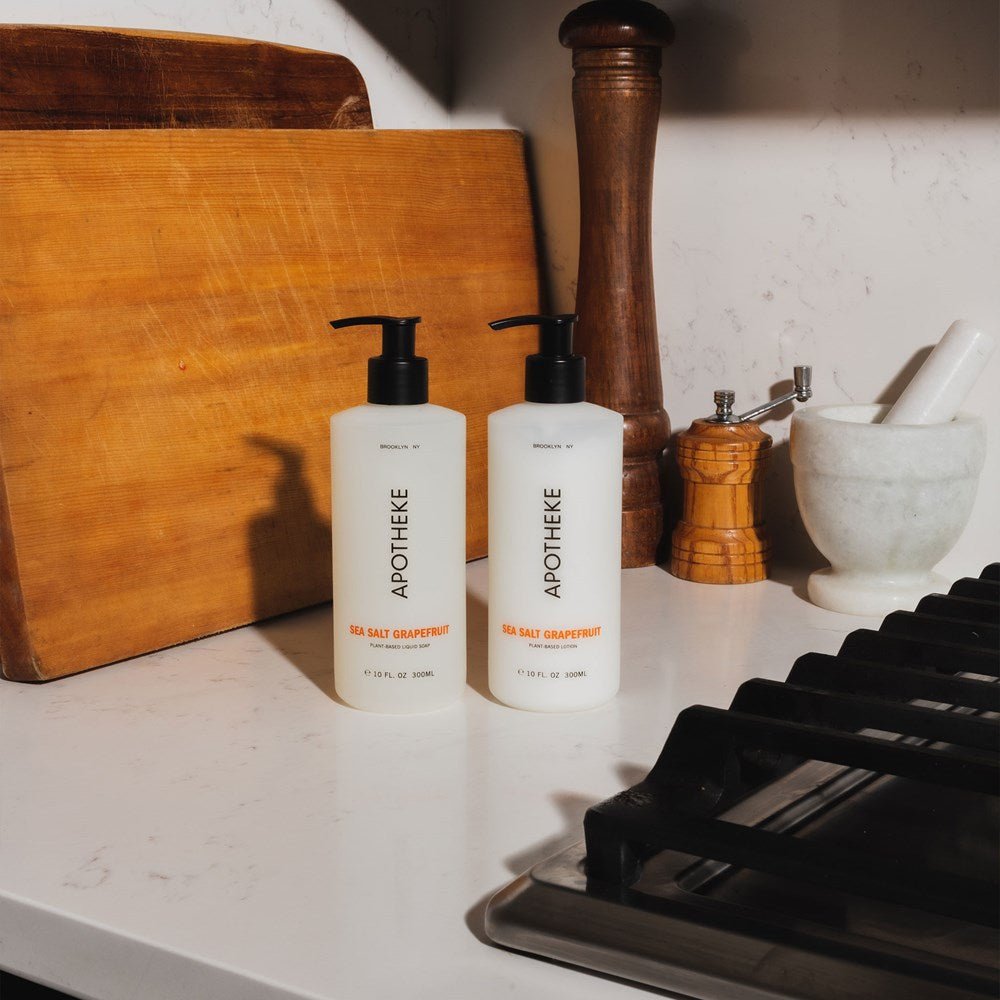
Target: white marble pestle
936 393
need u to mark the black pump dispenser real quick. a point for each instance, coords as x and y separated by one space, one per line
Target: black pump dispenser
555 374
396 377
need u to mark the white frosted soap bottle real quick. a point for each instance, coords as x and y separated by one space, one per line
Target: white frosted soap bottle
398 499
555 470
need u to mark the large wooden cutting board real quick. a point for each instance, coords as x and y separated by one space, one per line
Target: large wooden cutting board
167 372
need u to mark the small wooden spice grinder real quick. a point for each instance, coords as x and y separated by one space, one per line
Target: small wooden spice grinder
721 537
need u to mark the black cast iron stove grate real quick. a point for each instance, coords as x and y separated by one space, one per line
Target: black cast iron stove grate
832 836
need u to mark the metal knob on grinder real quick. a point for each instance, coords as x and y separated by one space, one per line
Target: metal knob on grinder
721 536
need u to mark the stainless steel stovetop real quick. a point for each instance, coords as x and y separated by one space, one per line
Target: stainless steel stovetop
835 836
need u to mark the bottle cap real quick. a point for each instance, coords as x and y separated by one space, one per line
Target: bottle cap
396 377
555 374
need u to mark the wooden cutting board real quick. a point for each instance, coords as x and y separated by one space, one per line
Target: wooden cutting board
167 372
53 76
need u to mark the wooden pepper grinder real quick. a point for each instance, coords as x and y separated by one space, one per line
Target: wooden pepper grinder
721 536
616 102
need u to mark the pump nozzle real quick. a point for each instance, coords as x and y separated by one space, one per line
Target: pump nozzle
555 374
396 376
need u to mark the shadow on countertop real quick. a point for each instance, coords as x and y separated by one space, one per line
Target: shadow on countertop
14 988
572 807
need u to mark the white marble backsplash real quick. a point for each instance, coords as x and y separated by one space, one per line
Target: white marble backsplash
827 184
827 191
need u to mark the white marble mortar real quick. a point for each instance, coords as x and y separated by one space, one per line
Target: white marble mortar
883 502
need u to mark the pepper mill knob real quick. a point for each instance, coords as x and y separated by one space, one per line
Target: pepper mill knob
802 376
616 24
724 400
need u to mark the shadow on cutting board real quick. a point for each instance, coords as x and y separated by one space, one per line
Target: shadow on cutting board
289 547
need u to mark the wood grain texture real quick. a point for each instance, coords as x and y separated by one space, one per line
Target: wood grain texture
616 102
167 373
721 537
76 78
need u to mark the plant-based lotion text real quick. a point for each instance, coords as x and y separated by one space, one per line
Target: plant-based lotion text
398 500
554 536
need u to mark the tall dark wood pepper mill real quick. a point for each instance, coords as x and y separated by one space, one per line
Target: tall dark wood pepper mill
616 102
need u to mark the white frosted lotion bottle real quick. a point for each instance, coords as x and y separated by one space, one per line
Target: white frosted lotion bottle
398 499
555 514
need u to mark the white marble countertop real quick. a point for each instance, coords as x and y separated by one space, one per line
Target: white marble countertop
209 823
